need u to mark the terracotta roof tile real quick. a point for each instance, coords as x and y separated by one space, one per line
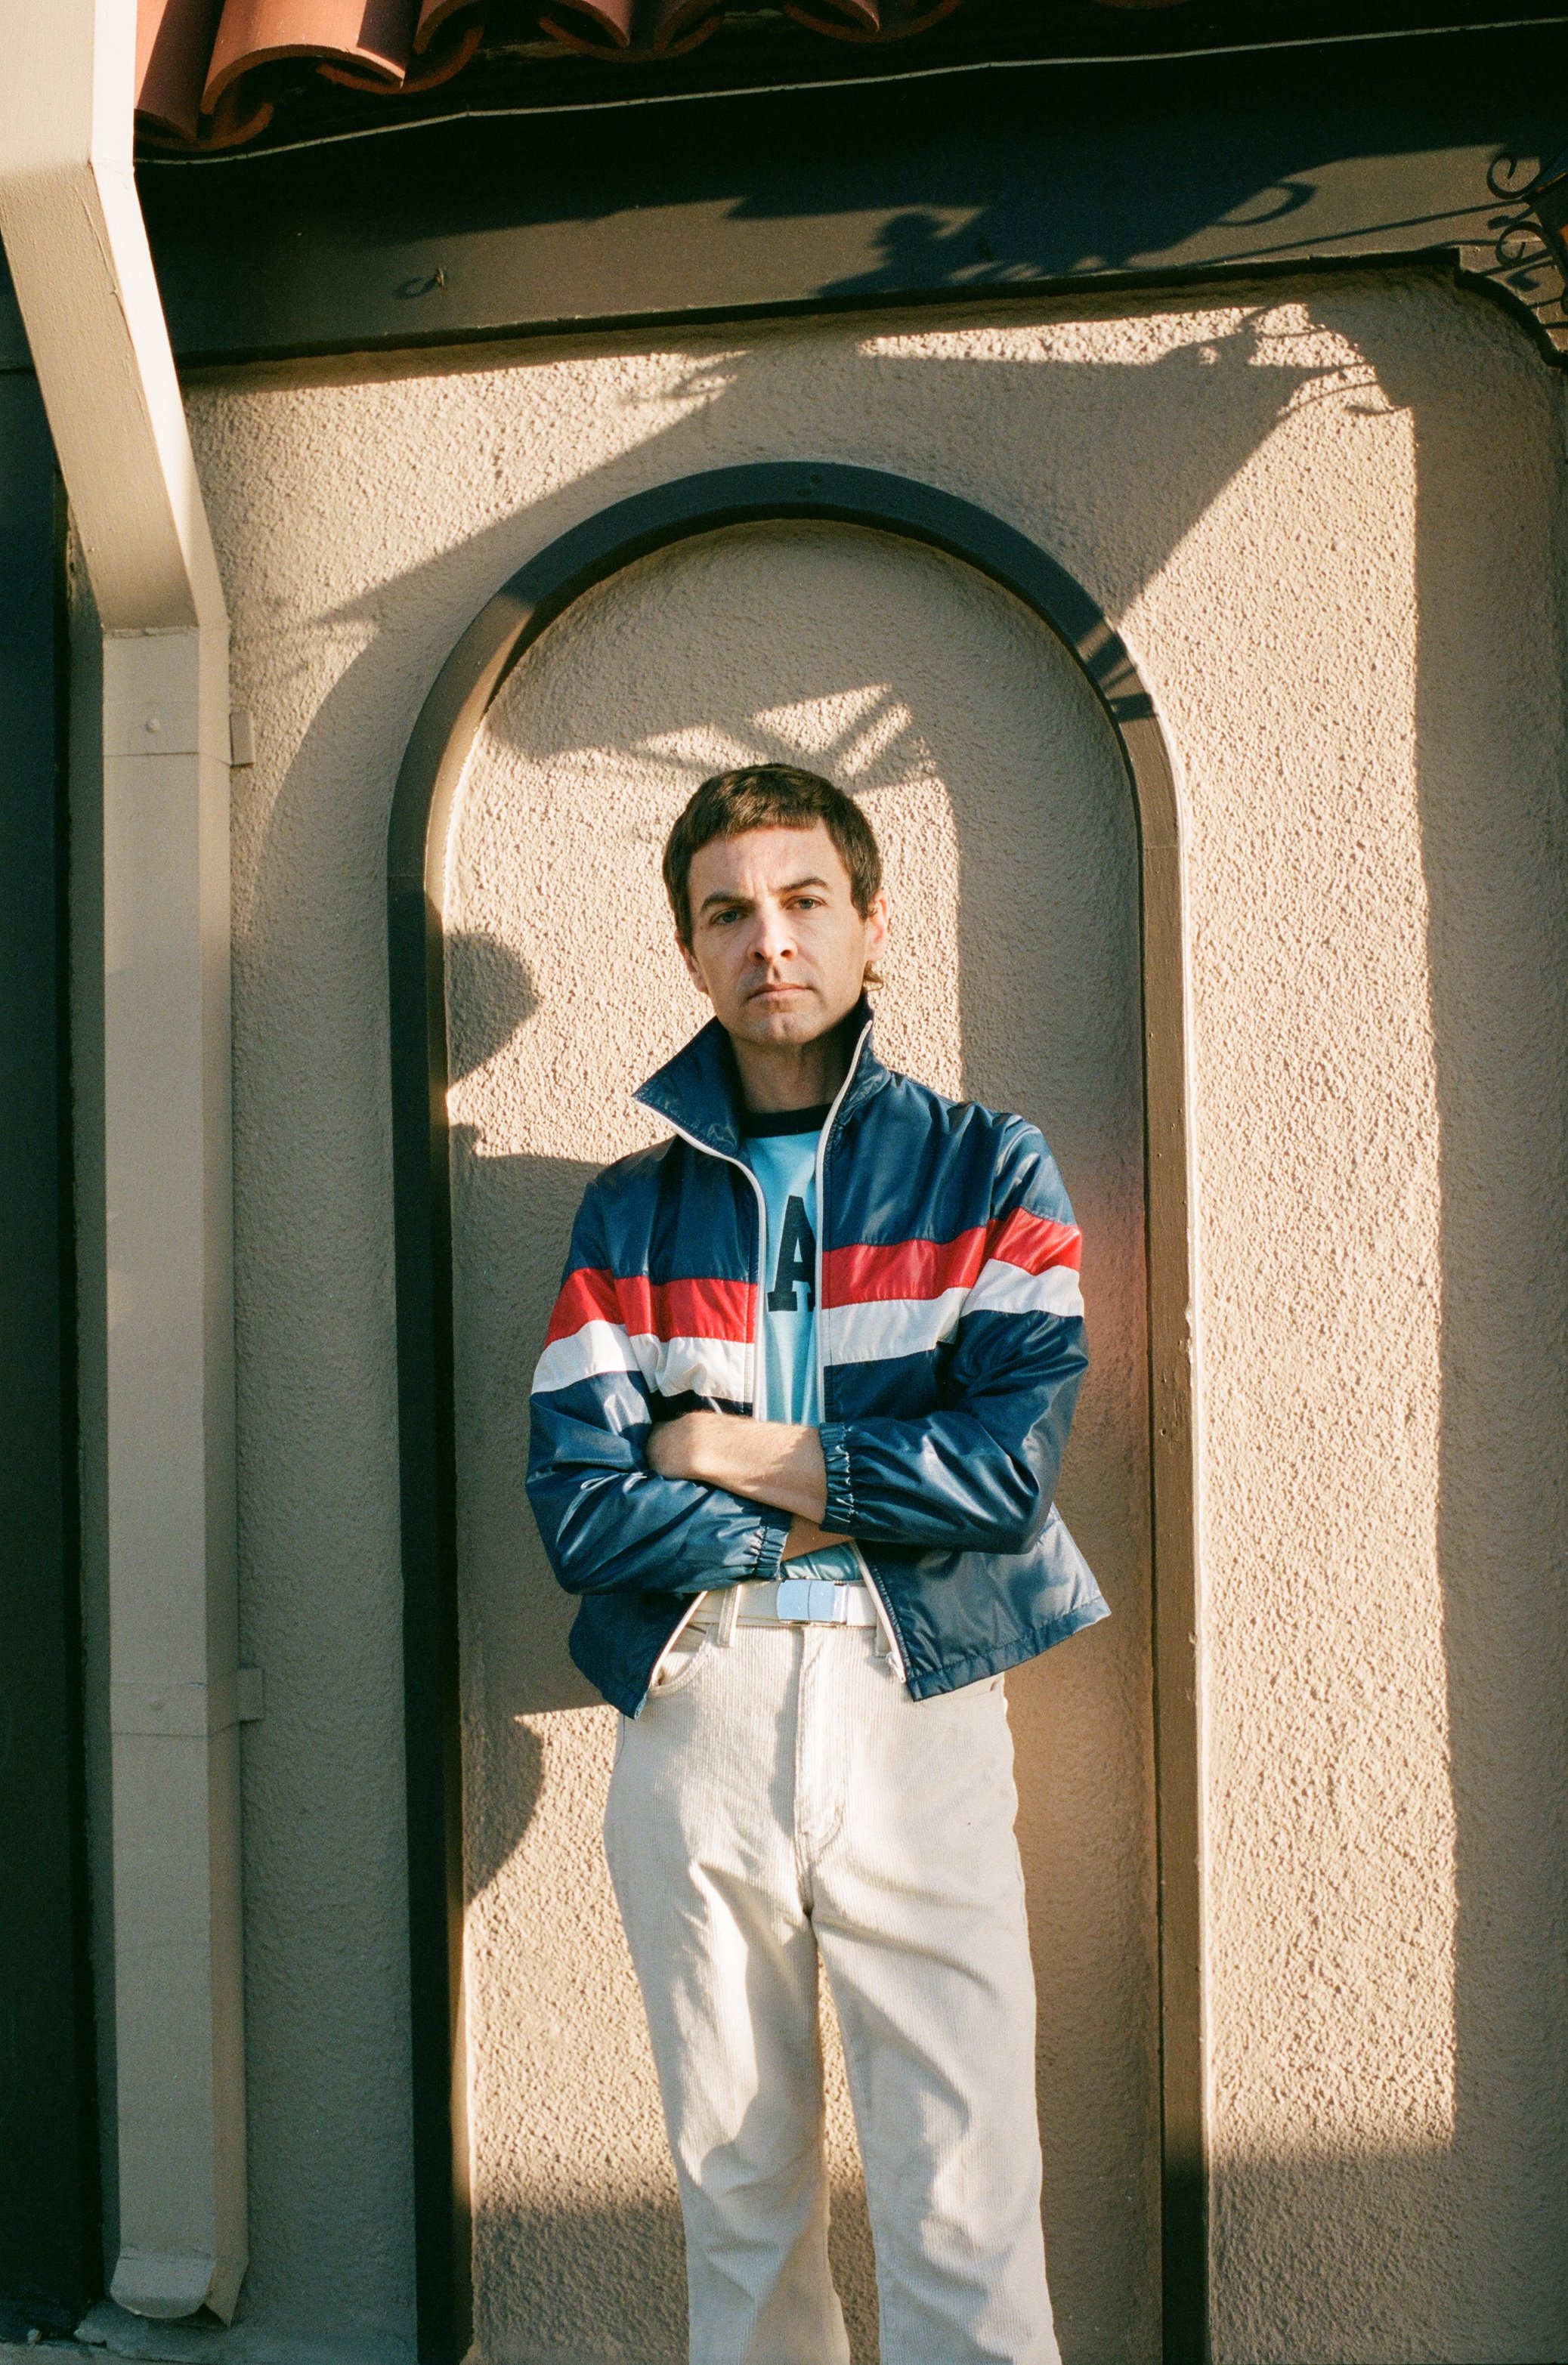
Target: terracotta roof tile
868 20
374 35
174 43
208 70
651 29
201 64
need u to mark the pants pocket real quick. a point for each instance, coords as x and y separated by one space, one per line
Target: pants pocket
681 1662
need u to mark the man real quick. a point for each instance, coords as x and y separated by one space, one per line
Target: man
796 1429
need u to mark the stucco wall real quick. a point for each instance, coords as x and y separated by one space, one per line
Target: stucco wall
1325 528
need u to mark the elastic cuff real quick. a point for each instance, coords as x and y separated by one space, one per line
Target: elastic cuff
839 1517
776 1526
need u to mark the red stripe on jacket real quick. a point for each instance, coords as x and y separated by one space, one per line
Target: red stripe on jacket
917 1268
1035 1242
666 1309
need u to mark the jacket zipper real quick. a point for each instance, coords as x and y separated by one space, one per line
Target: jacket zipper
884 1615
698 1598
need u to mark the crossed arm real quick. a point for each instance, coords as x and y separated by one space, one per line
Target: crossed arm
713 1498
772 1461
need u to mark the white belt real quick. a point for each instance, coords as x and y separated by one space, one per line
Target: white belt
806 1601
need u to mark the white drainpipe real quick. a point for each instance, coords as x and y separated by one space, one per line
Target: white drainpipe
78 252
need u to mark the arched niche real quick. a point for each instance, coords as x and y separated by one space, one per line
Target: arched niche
439 754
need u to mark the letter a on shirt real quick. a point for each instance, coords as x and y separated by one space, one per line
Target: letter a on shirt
796 1267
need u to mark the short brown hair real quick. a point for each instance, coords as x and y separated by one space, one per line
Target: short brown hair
770 795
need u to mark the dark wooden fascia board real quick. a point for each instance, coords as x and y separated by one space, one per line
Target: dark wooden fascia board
986 183
994 183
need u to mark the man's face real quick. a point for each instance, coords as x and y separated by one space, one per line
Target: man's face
776 943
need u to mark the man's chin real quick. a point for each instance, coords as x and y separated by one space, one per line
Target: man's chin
800 1020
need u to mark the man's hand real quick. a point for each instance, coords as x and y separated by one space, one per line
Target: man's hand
771 1462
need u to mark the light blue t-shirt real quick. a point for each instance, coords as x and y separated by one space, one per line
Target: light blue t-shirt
783 1157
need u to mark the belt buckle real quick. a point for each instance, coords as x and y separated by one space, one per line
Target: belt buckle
808 1601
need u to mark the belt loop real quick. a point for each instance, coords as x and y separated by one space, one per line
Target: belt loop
729 1618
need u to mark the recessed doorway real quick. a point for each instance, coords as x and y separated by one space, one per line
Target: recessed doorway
998 786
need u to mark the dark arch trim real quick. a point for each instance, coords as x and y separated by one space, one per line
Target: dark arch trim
765 492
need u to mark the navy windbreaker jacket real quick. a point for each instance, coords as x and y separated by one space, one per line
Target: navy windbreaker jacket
950 1337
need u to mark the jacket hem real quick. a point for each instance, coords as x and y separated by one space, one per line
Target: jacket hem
960 1672
773 1533
770 1545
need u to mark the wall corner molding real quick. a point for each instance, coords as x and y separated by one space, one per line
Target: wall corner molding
82 275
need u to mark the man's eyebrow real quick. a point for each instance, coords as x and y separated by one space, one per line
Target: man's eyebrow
720 896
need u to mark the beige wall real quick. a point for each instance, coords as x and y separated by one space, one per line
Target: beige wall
1326 528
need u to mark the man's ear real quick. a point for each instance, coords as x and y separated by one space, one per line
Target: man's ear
693 972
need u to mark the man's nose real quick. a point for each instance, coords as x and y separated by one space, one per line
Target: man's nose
772 938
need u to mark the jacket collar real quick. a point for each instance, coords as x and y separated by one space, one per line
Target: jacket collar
698 1090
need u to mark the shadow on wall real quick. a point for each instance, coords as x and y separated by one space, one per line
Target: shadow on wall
489 995
1495 860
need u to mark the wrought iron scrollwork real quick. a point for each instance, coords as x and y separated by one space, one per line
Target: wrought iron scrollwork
1525 259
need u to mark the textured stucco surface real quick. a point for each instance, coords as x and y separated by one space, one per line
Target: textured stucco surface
1325 528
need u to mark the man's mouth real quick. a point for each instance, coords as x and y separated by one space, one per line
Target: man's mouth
775 992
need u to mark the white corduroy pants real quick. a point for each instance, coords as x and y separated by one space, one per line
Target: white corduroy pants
782 1800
